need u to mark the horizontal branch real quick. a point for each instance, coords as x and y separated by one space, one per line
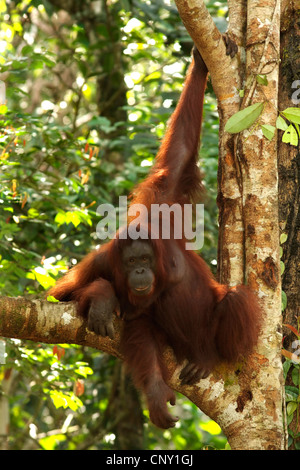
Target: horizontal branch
47 322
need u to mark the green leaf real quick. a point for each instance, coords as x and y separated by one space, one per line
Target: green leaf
2 6
283 300
50 298
211 427
297 444
64 400
281 124
290 136
50 442
244 119
268 131
73 218
32 213
283 238
291 407
292 393
84 371
292 114
295 376
59 399
262 80
50 63
37 64
3 109
60 218
44 278
27 50
286 367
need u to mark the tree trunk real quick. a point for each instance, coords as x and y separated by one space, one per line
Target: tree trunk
289 183
289 167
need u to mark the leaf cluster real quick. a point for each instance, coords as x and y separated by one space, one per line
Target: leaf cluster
288 120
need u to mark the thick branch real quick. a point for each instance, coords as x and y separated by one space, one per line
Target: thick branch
208 40
46 322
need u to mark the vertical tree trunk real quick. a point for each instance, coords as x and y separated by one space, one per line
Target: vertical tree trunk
289 165
256 158
289 180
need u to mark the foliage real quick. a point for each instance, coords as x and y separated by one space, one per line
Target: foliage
88 96
248 116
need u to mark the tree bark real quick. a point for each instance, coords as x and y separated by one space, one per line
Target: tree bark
289 167
47 322
289 181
